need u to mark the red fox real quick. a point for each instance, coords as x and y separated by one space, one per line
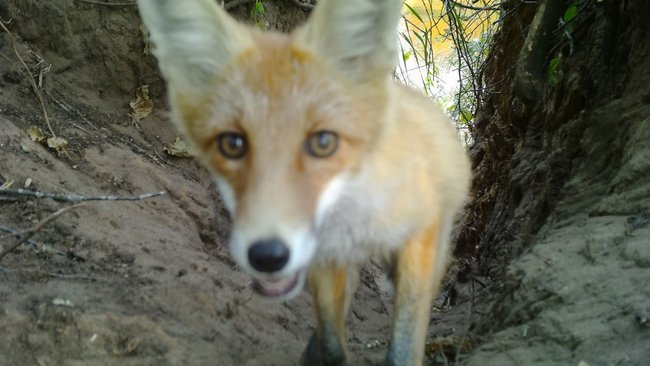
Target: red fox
322 160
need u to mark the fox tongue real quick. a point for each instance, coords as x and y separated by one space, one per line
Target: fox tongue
275 287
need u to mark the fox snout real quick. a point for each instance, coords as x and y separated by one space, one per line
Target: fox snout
268 255
276 256
269 258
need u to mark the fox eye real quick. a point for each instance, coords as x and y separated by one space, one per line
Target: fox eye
322 144
232 145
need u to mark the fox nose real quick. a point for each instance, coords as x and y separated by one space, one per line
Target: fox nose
270 255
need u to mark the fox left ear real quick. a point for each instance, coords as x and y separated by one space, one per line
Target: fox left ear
358 37
193 39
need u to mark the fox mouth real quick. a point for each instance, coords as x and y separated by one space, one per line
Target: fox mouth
279 287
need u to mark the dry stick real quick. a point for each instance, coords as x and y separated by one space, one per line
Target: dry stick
30 77
234 3
226 6
25 235
61 197
477 8
14 232
304 4
106 3
70 109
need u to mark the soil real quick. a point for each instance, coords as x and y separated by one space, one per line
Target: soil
150 282
559 218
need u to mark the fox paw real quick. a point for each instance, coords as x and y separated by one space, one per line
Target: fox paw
317 355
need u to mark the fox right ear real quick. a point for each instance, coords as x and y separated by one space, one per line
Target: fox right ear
193 39
358 37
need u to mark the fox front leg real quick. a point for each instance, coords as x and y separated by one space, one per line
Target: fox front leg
418 270
332 289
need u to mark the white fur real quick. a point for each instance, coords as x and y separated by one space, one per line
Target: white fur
351 230
329 196
302 244
227 194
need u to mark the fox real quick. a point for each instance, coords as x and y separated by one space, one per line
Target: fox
323 161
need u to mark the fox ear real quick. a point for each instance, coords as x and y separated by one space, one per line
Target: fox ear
359 37
193 39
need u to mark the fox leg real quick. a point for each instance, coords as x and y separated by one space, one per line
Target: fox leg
418 270
332 289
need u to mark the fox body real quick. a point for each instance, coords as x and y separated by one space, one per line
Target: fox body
322 160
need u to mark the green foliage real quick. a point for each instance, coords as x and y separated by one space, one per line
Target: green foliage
407 55
444 47
554 72
568 24
259 7
257 15
414 12
567 18
417 51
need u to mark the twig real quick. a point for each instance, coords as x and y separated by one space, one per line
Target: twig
141 151
61 197
9 230
70 109
234 3
106 3
30 77
25 235
33 243
477 8
305 4
63 276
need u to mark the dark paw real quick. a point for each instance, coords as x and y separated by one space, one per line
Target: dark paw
317 354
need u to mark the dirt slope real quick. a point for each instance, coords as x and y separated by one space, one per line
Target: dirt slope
564 196
581 292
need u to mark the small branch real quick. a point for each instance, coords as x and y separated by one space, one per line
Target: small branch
477 8
9 230
106 3
305 4
234 3
61 197
27 234
30 77
70 109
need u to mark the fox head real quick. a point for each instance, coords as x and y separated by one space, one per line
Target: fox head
283 122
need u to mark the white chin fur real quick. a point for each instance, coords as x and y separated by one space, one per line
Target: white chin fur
282 288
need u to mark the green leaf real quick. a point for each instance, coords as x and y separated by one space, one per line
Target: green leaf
408 40
567 18
419 37
414 12
465 116
259 7
407 55
570 13
554 73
